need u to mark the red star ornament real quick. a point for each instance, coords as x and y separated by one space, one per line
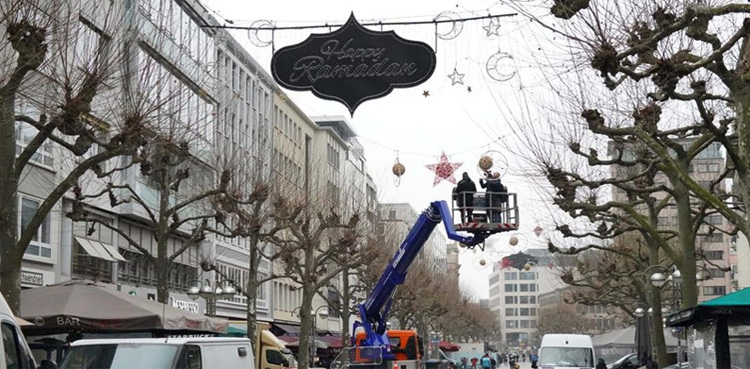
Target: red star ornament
443 170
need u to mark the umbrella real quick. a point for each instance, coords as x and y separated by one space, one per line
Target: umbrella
85 306
448 347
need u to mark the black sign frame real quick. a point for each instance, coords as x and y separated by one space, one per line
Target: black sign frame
378 61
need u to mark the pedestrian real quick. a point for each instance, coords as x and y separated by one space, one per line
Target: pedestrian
493 361
486 362
464 363
523 357
534 359
474 363
600 364
465 190
511 361
497 195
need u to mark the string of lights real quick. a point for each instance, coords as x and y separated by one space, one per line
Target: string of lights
327 25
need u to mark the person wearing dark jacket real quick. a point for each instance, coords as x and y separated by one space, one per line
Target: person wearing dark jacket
465 191
496 190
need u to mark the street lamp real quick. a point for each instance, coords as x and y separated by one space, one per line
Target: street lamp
212 294
674 277
323 315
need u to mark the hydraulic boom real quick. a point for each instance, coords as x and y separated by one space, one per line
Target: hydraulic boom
374 311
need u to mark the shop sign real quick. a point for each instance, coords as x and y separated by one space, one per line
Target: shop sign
353 64
190 306
31 278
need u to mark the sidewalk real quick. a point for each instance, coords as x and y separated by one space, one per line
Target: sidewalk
526 365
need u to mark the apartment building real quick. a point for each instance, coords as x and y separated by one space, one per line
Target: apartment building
514 295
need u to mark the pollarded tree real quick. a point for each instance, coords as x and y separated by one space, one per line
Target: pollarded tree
687 57
182 209
312 248
59 75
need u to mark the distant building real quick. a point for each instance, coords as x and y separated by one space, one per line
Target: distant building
514 295
715 247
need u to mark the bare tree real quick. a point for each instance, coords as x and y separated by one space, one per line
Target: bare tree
182 211
312 249
55 67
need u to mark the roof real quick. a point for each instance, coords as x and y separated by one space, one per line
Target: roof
734 307
159 341
739 298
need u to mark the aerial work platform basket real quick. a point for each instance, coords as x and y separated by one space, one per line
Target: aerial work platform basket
492 212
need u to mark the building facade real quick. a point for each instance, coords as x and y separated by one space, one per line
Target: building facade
514 296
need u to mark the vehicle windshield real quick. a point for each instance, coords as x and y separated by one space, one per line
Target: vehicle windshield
289 359
120 356
566 356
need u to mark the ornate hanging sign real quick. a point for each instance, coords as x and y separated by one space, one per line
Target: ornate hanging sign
353 64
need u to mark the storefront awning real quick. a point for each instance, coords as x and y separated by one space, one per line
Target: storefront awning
289 330
100 250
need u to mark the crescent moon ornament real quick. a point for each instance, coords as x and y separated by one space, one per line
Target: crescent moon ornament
456 25
494 66
252 33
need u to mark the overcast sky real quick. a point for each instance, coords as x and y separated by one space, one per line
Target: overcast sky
416 129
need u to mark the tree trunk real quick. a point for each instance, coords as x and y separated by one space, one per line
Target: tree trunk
657 331
251 288
10 267
162 238
345 313
10 273
306 329
687 265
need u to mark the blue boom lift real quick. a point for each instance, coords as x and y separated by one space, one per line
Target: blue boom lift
374 311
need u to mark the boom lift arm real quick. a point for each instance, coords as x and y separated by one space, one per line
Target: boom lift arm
374 312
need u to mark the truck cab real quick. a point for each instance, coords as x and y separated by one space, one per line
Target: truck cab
405 344
271 352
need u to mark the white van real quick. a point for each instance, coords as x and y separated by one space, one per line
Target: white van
17 352
160 353
566 351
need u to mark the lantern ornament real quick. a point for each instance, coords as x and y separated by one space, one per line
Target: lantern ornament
398 170
513 240
485 163
492 161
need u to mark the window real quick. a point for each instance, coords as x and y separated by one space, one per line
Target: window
527 276
524 287
15 354
714 255
524 312
532 287
714 237
510 276
716 273
524 299
24 134
714 290
715 219
511 299
511 324
532 299
510 287
40 242
510 312
525 324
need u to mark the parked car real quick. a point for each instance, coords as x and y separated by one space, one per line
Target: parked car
629 361
686 365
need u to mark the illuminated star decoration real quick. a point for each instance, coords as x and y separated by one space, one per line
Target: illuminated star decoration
443 170
456 77
426 93
492 28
